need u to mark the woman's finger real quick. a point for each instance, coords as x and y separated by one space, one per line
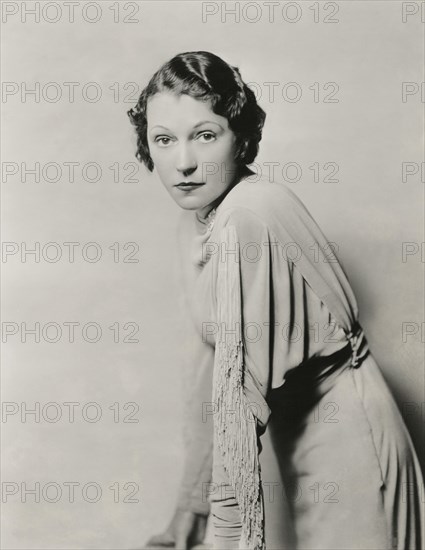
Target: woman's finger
163 540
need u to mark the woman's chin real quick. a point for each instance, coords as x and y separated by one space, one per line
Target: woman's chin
189 202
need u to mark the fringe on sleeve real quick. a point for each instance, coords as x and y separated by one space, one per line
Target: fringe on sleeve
235 430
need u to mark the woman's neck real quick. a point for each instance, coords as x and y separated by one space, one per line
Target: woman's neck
203 213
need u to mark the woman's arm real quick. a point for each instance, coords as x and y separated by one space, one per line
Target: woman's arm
188 524
196 387
242 367
187 527
197 426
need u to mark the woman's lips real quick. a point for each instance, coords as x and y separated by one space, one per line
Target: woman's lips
186 186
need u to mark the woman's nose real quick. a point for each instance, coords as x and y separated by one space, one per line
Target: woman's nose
186 160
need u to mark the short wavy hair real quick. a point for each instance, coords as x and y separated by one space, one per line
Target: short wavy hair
203 75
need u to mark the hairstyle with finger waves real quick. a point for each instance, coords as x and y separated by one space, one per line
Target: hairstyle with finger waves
205 76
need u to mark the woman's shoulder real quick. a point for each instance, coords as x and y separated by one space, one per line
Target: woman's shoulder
270 203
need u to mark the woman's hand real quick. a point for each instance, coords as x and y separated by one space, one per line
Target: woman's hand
186 530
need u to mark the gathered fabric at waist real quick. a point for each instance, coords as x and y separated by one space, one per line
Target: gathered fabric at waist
308 383
319 368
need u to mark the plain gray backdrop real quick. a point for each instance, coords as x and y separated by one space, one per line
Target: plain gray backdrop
369 213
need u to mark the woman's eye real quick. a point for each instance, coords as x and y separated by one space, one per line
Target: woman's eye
208 136
162 140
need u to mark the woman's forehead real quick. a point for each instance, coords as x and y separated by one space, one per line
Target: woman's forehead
168 108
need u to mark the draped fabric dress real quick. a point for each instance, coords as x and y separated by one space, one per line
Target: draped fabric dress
274 338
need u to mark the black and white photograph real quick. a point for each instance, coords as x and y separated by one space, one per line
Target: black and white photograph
212 268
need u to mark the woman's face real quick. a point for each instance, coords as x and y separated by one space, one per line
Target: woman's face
190 143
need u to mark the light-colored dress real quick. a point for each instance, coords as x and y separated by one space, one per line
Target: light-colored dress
275 338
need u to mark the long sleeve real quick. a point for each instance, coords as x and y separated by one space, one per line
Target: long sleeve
197 427
242 374
196 388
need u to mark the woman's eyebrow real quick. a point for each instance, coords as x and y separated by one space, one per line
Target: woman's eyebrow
208 121
160 126
196 125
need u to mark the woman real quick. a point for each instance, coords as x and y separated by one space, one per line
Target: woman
276 337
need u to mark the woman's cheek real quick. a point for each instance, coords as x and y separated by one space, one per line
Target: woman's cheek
162 158
214 153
